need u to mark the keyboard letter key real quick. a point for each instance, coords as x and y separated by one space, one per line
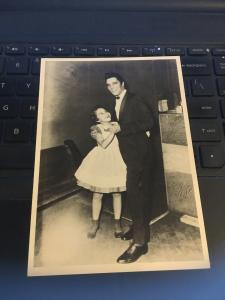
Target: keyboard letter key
7 86
28 109
8 109
27 86
17 131
1 65
221 86
17 65
202 87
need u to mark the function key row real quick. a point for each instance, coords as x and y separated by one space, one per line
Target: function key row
67 50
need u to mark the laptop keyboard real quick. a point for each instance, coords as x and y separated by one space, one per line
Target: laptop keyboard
204 77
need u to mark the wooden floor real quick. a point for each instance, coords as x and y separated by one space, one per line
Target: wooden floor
61 238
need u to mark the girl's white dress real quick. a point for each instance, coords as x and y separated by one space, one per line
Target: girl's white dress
103 170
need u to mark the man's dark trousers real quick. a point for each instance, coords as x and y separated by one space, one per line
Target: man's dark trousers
135 119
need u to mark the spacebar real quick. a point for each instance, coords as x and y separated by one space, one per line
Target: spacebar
16 156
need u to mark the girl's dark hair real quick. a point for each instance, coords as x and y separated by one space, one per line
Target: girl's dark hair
116 75
93 113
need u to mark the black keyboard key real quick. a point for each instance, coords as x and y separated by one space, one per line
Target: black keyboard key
61 50
84 51
8 108
202 108
17 131
186 87
7 86
223 108
198 51
17 65
219 64
1 130
19 157
221 86
107 51
202 87
212 156
152 51
196 66
35 66
205 131
129 51
1 65
33 132
38 50
218 51
28 109
27 86
175 51
14 49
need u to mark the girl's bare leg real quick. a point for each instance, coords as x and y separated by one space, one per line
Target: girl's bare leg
117 207
96 209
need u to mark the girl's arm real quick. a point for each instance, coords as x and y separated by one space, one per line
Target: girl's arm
104 143
97 135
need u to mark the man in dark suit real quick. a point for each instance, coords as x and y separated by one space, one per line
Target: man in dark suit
133 122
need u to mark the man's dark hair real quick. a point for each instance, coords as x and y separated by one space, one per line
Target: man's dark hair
115 75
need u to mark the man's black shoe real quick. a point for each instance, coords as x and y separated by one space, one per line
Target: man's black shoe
118 234
128 235
132 253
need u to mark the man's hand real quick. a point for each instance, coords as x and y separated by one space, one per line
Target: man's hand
148 133
115 127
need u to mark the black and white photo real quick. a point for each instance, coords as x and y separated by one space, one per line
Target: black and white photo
115 186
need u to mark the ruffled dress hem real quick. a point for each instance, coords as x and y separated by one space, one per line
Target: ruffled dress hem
101 189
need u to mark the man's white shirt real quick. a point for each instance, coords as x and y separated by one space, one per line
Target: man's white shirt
119 102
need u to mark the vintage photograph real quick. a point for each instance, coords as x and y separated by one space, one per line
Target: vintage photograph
115 186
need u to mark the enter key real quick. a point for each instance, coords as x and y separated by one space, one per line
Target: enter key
205 131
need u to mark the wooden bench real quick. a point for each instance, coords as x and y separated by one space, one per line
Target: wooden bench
57 168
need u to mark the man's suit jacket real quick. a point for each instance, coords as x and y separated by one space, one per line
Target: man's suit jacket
135 118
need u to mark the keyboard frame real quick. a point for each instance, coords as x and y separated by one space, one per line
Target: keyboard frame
99 27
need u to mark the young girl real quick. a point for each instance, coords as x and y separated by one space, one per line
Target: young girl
103 170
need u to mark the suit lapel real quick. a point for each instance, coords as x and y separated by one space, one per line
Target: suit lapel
111 108
122 106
